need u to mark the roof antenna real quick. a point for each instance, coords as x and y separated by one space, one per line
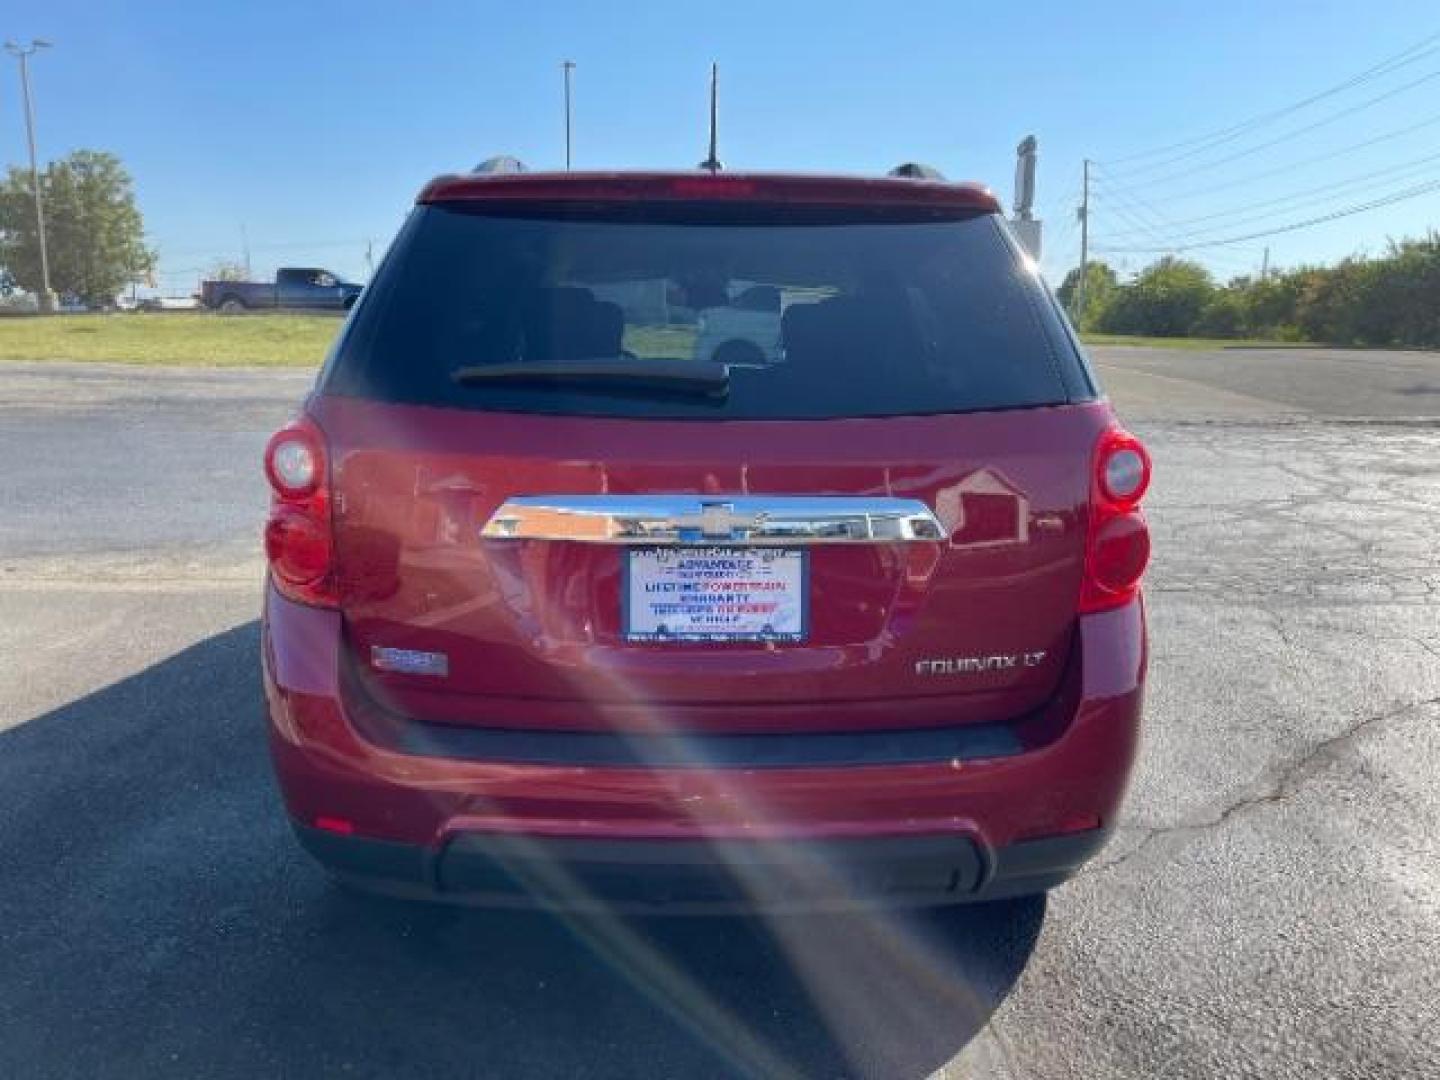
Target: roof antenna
712 163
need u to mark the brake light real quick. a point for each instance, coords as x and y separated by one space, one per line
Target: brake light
712 187
1117 545
299 542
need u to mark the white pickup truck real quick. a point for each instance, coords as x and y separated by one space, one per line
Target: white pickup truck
745 332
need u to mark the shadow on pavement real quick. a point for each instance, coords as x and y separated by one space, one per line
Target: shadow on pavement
156 918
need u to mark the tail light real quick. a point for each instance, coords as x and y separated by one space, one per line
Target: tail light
299 542
712 187
1117 545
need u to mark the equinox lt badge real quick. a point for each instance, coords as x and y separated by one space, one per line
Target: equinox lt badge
975 665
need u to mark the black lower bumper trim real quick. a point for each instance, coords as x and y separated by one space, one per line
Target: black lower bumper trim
749 751
618 749
575 873
513 870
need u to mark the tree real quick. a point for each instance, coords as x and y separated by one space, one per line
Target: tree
1270 304
1100 284
1336 304
1223 315
1403 301
95 234
226 270
1165 300
1389 299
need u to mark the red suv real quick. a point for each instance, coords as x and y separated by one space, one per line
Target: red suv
705 540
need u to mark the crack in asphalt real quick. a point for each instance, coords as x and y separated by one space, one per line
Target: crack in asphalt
1288 780
1342 528
1434 650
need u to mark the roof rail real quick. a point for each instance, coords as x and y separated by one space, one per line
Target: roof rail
500 164
914 170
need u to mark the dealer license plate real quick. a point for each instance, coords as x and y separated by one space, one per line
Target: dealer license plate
716 594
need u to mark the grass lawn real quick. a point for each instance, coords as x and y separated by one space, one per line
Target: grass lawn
172 337
1187 342
205 338
659 342
291 340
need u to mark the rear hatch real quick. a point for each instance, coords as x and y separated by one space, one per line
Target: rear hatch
708 466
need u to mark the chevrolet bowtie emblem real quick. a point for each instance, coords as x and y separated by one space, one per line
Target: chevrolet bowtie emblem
719 521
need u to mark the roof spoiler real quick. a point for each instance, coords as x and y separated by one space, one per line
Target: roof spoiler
796 189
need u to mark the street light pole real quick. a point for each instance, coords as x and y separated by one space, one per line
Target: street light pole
23 54
1080 297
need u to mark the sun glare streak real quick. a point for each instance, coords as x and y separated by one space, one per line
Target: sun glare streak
864 967
862 970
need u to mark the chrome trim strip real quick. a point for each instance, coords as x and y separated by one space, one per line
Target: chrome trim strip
775 520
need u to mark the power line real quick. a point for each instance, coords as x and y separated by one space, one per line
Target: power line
1142 215
1326 193
1064 236
1374 204
1155 228
1109 189
1062 208
1155 232
1190 170
1137 212
1139 229
1291 166
1409 55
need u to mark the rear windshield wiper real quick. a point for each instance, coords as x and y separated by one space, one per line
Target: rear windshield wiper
674 376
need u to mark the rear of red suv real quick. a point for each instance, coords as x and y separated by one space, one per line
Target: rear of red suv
693 542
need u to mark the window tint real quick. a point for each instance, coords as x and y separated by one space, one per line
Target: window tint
813 318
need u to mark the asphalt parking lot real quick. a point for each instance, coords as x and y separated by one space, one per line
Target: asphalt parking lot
1270 907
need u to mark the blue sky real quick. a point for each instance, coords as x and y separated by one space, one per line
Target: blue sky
312 124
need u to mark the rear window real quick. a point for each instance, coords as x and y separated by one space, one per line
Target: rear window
813 316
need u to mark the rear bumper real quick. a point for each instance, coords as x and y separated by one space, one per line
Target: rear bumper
929 818
702 877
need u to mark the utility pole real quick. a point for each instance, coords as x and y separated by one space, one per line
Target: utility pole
1265 264
23 53
245 250
568 66
1084 242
